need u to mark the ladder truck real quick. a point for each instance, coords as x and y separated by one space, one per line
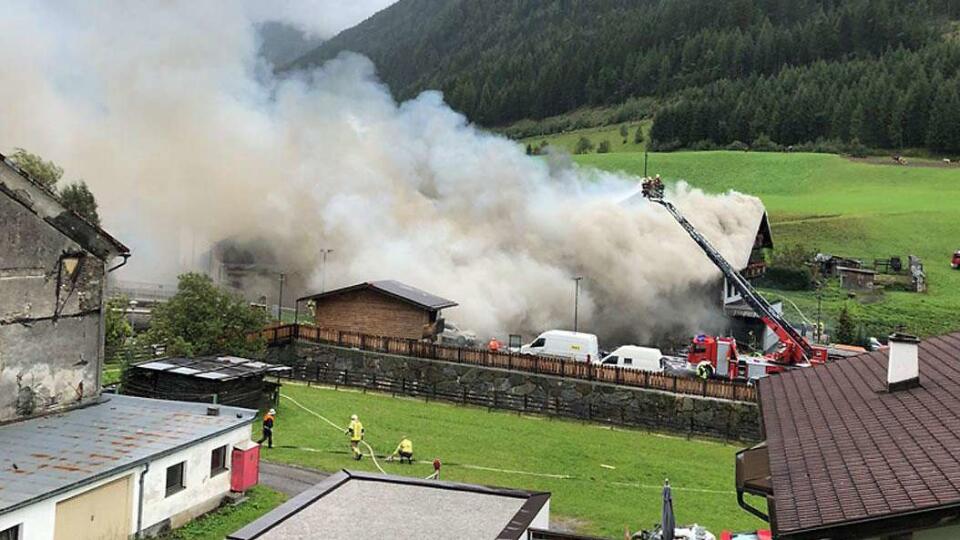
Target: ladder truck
718 356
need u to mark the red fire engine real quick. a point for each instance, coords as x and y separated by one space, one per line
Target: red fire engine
717 356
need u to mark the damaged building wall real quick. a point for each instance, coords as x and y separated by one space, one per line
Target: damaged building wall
50 308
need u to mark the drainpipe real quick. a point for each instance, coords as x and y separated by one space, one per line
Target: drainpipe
146 468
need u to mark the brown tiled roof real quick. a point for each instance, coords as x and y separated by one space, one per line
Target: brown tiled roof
398 290
843 450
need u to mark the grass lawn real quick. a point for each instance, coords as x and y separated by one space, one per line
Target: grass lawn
110 374
835 205
568 140
228 519
615 474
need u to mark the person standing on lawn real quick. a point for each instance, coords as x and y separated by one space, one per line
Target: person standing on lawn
268 420
355 431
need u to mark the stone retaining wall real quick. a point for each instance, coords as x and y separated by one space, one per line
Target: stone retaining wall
500 388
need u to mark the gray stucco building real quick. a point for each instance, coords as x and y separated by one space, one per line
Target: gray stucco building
53 267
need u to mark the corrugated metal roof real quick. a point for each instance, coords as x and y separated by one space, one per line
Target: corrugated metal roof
212 367
53 454
396 289
844 450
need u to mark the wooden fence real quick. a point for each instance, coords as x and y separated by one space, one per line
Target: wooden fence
543 365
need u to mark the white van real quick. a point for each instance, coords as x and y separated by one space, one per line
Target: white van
565 344
634 357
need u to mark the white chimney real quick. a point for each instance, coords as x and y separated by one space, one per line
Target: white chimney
903 369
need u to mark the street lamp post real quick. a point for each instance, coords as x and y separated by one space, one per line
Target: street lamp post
323 269
576 301
819 312
280 300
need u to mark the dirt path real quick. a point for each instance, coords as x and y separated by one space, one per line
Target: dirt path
289 479
911 162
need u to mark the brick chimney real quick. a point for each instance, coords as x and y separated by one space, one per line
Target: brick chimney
903 369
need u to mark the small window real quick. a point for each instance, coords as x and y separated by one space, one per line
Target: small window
218 460
175 478
13 533
610 361
628 361
539 342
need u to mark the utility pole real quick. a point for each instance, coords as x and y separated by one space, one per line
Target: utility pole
819 310
323 269
645 160
576 300
280 300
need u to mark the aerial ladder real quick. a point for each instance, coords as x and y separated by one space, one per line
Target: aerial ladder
795 350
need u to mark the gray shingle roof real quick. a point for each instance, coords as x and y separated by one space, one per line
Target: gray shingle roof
395 289
355 505
842 449
53 454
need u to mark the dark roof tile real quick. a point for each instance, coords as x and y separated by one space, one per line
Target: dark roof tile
842 448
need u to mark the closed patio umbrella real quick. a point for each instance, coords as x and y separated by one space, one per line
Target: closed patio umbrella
667 521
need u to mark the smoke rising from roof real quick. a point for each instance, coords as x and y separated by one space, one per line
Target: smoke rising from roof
182 133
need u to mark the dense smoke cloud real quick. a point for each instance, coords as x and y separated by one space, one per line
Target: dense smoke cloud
185 138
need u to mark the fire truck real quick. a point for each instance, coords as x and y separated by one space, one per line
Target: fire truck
717 356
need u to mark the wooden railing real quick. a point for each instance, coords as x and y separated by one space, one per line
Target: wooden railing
543 365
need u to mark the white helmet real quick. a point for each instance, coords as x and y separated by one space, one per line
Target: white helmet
354 417
272 412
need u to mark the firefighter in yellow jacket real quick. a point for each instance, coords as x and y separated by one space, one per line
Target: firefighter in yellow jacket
355 431
404 450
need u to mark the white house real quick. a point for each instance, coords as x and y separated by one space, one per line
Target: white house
74 463
122 466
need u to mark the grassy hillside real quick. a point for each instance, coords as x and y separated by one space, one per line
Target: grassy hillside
568 140
718 70
614 476
835 205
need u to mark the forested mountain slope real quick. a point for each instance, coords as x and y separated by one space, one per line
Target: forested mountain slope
788 69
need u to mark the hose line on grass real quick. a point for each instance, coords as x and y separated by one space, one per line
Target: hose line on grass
373 455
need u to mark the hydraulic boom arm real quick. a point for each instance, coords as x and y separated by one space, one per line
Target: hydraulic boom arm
653 190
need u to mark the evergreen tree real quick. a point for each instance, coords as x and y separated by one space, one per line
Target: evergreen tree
846 331
943 131
77 197
584 145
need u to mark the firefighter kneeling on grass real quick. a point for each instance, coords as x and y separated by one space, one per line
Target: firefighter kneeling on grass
404 450
355 431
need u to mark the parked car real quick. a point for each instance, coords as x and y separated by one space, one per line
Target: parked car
453 335
564 344
635 357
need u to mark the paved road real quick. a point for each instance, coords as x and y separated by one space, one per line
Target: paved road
289 479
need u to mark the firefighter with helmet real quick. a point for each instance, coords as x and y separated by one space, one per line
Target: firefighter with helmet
355 431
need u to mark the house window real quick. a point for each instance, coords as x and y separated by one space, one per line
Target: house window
13 533
218 460
175 478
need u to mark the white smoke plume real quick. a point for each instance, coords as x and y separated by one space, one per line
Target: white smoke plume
165 110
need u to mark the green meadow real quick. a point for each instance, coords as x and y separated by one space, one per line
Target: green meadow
602 479
836 205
